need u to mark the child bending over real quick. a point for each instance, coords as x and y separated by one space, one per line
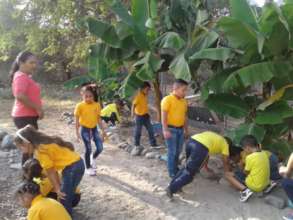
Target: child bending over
111 112
55 155
33 172
256 175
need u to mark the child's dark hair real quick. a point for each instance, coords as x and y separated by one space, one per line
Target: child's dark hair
32 169
249 140
22 57
145 85
28 187
235 151
92 89
180 82
119 102
35 137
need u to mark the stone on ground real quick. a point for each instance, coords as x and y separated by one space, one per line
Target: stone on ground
8 142
2 134
275 201
136 151
152 155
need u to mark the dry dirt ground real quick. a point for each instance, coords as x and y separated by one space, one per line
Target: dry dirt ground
128 187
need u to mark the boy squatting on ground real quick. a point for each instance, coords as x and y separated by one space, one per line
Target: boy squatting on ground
111 112
256 175
174 123
198 149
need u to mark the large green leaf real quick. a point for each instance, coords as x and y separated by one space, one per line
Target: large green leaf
180 68
123 30
241 10
287 11
119 9
98 68
221 54
280 147
274 114
227 104
276 29
246 129
171 40
150 64
139 11
239 34
215 83
257 73
104 31
77 81
130 85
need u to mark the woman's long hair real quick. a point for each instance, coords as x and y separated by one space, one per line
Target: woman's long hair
22 57
36 138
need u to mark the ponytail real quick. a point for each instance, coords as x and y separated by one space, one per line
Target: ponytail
28 187
36 138
22 57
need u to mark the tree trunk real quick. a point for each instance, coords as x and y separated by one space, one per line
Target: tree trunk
158 96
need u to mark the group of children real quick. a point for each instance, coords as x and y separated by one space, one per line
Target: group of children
55 169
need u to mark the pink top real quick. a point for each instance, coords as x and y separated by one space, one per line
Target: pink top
23 84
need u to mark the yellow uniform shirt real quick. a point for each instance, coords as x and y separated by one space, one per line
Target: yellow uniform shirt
55 156
109 109
243 155
176 109
47 209
215 143
258 166
140 102
89 114
46 187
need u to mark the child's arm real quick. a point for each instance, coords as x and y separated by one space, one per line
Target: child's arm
132 110
286 171
55 180
226 163
77 125
101 126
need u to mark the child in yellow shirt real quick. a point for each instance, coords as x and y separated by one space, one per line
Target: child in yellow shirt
39 207
33 172
88 116
55 155
256 175
140 111
174 123
198 149
111 112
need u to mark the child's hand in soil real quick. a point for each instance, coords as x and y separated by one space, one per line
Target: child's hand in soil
60 195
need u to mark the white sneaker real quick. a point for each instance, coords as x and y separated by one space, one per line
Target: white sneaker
272 185
93 162
90 172
245 194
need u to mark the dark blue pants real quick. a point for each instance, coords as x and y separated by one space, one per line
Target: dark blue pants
274 168
71 177
87 134
287 185
174 145
141 121
196 155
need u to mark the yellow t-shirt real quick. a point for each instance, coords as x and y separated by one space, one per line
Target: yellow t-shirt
109 109
258 166
141 104
215 143
47 209
176 109
244 154
89 114
55 156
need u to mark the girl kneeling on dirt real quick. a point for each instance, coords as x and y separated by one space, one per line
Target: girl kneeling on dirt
54 154
88 116
39 207
33 172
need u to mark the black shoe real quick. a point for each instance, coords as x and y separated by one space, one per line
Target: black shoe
169 193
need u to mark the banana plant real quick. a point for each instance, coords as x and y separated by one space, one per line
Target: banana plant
147 44
256 52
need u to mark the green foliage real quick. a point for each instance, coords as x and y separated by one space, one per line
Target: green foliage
261 59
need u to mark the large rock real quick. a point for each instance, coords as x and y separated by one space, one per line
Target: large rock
8 142
2 134
275 201
152 155
136 151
